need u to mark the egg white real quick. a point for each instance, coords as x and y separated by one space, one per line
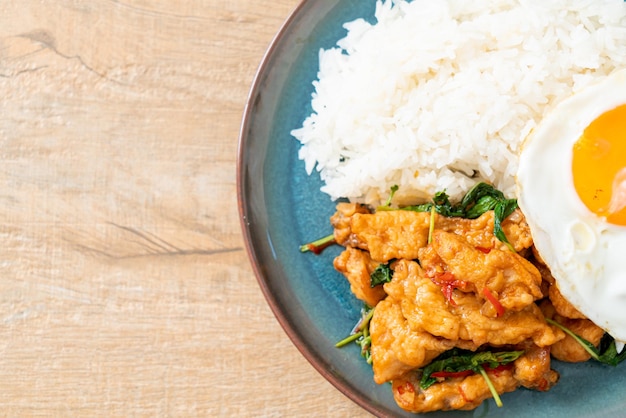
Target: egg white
586 254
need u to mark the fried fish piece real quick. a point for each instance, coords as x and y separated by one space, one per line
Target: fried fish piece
512 279
533 369
568 349
426 309
396 347
341 221
562 306
463 393
398 234
357 266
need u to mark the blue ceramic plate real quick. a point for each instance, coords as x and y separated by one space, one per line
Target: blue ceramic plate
281 207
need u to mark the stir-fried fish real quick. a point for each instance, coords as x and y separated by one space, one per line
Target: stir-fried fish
396 234
426 308
460 393
513 279
456 286
397 348
357 266
416 308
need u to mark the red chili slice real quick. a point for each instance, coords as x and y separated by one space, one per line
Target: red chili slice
406 387
494 301
499 369
463 395
448 283
445 374
446 276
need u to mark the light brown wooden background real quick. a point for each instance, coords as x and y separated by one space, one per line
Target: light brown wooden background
125 289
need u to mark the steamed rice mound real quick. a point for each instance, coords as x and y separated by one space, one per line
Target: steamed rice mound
440 94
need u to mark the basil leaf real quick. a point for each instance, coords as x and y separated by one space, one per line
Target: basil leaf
605 353
484 204
502 210
425 207
444 207
478 192
461 360
496 359
479 199
382 274
454 360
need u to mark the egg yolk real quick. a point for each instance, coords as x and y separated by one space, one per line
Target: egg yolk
599 166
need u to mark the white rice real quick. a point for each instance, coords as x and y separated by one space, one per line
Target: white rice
438 95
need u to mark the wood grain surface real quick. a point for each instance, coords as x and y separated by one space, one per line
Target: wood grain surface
125 288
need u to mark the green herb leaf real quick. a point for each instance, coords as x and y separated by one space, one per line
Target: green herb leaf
441 204
361 334
482 205
479 199
444 207
456 360
394 189
424 207
502 210
605 353
382 274
319 245
608 351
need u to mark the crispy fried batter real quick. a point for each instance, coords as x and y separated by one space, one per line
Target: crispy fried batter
533 370
396 348
458 393
479 232
400 234
426 309
357 266
389 235
341 220
571 351
562 306
463 289
568 349
511 278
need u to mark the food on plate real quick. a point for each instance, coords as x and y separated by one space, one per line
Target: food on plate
576 160
430 123
436 95
459 307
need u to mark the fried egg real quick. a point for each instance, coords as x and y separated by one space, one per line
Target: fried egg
571 187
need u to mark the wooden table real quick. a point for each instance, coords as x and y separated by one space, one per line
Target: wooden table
126 289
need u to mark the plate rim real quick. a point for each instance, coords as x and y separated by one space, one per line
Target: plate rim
242 204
